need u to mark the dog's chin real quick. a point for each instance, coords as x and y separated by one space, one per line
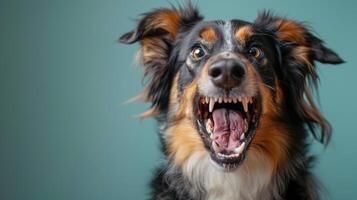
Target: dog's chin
227 126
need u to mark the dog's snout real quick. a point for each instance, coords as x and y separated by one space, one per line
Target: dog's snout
227 73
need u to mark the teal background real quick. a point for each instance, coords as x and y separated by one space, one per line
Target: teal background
64 130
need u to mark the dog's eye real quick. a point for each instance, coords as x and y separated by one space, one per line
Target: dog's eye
197 53
255 52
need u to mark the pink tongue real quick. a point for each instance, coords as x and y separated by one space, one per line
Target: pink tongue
228 127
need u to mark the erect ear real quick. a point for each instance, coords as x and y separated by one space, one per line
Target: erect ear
298 48
156 32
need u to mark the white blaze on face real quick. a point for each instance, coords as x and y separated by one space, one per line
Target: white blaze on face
228 36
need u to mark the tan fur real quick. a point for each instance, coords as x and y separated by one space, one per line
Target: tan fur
271 138
183 138
209 34
243 34
168 20
154 49
301 53
290 31
184 141
279 92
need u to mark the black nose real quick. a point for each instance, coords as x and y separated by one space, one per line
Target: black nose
226 73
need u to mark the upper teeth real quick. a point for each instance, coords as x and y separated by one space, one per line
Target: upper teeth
212 100
239 149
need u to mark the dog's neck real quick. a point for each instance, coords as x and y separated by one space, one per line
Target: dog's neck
250 181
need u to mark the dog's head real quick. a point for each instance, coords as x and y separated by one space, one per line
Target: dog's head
227 89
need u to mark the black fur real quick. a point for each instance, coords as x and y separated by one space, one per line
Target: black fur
293 180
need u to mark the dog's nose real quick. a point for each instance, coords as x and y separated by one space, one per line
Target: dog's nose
227 73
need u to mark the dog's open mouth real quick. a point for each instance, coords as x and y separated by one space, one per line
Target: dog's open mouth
228 125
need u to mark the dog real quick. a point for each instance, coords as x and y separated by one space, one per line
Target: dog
234 104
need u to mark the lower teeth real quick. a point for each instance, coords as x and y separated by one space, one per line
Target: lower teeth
209 126
242 136
215 147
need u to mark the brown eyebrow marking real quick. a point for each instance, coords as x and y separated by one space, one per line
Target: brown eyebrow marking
243 33
209 34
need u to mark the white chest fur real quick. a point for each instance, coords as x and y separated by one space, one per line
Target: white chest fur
248 182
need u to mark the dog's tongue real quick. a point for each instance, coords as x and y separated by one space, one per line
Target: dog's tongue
228 127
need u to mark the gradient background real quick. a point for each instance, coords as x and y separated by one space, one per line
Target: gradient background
64 132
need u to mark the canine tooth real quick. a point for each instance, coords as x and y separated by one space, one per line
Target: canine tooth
245 125
240 148
245 104
209 126
215 147
242 136
211 105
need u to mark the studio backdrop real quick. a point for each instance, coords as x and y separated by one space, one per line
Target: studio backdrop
65 130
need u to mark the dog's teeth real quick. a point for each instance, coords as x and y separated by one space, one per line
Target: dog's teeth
211 104
222 155
220 100
207 100
234 99
209 126
226 99
239 149
240 99
242 136
215 147
245 125
230 100
245 104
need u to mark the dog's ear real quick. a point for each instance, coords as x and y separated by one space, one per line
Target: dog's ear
292 33
157 32
298 49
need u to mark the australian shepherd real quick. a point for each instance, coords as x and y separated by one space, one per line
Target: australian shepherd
234 103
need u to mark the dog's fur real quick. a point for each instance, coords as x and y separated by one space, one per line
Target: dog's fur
276 164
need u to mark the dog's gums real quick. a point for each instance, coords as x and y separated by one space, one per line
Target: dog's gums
228 124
